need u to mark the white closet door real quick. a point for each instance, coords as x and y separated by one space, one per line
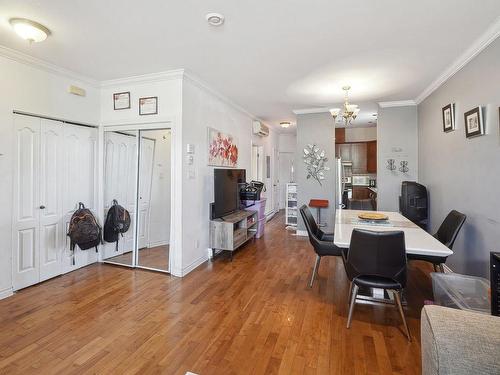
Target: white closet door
145 176
51 182
80 182
26 203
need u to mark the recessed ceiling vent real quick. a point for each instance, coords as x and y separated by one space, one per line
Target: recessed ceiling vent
215 19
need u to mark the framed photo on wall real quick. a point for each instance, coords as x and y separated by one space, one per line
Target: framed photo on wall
449 117
121 100
222 149
148 106
474 122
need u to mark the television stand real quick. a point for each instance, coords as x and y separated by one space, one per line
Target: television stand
232 231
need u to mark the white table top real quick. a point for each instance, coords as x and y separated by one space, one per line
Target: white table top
418 241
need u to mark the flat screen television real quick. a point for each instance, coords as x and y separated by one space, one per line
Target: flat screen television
226 190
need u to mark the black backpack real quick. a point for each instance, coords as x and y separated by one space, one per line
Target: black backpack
84 230
117 222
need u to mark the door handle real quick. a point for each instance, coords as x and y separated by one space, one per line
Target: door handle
42 207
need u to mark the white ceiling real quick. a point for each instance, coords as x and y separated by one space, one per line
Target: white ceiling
270 56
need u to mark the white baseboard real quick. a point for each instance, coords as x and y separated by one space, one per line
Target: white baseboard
6 293
194 265
158 243
301 233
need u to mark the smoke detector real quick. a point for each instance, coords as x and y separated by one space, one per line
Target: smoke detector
215 19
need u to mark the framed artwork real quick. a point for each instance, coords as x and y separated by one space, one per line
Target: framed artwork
449 117
148 105
474 122
222 149
121 100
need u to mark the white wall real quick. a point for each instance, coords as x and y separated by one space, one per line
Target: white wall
203 109
34 90
460 173
287 142
360 134
396 139
159 209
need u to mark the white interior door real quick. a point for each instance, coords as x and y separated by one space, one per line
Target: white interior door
80 185
50 209
276 179
145 177
285 175
26 202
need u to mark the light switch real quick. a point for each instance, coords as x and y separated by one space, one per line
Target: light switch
190 148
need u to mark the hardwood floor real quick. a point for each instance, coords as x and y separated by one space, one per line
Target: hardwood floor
254 315
153 257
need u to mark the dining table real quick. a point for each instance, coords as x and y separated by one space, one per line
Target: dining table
417 240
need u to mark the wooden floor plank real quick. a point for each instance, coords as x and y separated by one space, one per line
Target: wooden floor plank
254 315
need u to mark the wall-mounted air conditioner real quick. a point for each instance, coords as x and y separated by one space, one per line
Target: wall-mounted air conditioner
260 129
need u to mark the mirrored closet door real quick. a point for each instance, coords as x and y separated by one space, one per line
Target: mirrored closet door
120 189
137 184
154 199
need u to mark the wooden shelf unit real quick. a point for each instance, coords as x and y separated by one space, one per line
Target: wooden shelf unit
232 231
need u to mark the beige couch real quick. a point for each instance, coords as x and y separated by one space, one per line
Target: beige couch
458 342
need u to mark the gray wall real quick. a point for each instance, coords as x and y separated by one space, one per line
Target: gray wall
316 129
460 173
396 139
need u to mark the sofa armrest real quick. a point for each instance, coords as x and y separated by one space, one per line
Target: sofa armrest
459 342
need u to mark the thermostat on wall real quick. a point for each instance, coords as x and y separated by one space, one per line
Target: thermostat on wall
190 148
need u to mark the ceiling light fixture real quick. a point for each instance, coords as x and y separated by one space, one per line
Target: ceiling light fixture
284 124
350 111
215 19
29 30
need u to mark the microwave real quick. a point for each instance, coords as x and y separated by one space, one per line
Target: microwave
361 180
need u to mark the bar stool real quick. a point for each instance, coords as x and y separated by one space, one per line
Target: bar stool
319 204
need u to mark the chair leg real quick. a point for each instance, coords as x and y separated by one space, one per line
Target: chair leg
397 297
315 270
441 267
350 291
354 294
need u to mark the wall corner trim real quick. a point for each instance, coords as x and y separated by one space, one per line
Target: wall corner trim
194 265
398 103
36 63
484 40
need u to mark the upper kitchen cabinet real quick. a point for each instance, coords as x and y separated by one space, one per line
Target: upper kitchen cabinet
339 135
371 157
358 157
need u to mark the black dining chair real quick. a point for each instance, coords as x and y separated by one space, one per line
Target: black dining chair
446 234
376 260
321 242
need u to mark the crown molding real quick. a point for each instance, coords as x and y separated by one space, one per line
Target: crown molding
308 111
34 62
398 103
489 36
198 82
145 78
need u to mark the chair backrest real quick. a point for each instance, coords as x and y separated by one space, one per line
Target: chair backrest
449 229
381 254
312 228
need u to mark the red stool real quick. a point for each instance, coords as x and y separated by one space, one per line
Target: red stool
319 204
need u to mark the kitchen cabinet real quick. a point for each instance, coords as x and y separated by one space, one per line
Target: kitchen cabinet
360 192
362 154
358 157
339 135
371 159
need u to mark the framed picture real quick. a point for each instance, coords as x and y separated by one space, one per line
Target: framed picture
222 149
474 122
148 106
121 100
449 117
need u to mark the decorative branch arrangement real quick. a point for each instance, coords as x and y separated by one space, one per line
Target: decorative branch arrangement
315 161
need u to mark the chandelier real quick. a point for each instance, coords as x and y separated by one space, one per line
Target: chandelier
350 111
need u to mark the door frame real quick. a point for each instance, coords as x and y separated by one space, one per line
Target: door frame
175 248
